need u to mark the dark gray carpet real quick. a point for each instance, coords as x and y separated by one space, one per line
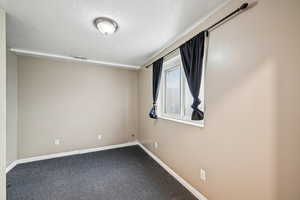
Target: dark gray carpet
118 174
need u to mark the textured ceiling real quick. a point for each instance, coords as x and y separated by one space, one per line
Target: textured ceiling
65 27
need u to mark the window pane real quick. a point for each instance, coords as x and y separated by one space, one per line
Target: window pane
173 91
188 101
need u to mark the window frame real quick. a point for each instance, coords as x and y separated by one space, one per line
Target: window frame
171 63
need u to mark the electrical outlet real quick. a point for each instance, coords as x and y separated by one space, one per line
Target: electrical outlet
155 145
99 137
202 174
56 141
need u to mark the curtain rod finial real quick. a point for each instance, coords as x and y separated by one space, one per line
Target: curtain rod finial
244 6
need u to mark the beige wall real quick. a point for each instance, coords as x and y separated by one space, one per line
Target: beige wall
288 98
11 107
250 144
75 103
2 105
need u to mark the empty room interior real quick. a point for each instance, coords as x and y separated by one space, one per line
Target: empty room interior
150 100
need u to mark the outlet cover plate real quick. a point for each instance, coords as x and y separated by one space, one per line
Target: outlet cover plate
203 175
56 142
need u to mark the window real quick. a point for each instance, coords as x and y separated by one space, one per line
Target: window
175 99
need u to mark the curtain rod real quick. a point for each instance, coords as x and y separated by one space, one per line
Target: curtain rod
240 9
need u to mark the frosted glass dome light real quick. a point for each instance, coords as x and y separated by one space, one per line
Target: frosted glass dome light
106 25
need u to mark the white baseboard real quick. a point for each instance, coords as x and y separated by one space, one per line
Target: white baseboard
11 166
70 153
188 186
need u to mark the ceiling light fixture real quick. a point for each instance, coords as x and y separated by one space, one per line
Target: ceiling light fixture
106 25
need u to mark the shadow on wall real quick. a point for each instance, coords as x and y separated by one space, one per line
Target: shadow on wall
288 131
288 98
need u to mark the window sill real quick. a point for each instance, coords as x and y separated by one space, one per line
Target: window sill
182 121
